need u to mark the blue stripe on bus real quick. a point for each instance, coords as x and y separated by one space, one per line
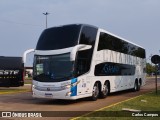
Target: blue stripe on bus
74 88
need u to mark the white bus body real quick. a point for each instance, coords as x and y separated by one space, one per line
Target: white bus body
86 61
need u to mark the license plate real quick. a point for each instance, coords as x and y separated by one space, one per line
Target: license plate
49 95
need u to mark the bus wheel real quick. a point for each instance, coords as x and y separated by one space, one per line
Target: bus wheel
135 86
139 87
95 92
105 90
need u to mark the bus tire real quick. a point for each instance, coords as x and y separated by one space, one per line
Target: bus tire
95 92
139 86
135 86
105 91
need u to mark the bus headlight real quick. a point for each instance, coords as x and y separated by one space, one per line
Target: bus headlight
72 85
68 93
68 86
33 86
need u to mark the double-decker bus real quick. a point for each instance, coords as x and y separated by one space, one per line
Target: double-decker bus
11 71
78 60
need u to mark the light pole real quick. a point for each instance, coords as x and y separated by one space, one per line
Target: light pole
46 17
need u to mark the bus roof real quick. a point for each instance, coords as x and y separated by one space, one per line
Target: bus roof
80 24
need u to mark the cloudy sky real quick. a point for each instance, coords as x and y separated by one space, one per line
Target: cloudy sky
22 21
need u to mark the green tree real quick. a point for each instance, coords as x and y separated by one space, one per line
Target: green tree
150 68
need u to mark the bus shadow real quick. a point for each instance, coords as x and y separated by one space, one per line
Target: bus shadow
26 98
60 102
121 92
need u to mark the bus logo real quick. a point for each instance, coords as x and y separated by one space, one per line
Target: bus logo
48 89
6 114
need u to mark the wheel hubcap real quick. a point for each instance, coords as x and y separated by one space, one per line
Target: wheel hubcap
135 87
105 90
95 91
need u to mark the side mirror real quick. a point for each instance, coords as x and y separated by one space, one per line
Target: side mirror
78 48
25 54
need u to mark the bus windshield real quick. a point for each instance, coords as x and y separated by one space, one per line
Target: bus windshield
53 68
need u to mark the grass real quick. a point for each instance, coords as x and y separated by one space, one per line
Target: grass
148 102
28 80
11 91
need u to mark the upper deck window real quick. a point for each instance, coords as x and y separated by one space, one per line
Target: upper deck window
107 41
88 35
59 37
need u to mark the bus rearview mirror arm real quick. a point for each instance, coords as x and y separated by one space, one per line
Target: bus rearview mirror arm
25 54
78 48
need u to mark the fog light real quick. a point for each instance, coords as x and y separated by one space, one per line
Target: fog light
33 86
68 93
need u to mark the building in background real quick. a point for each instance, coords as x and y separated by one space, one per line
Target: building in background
28 72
